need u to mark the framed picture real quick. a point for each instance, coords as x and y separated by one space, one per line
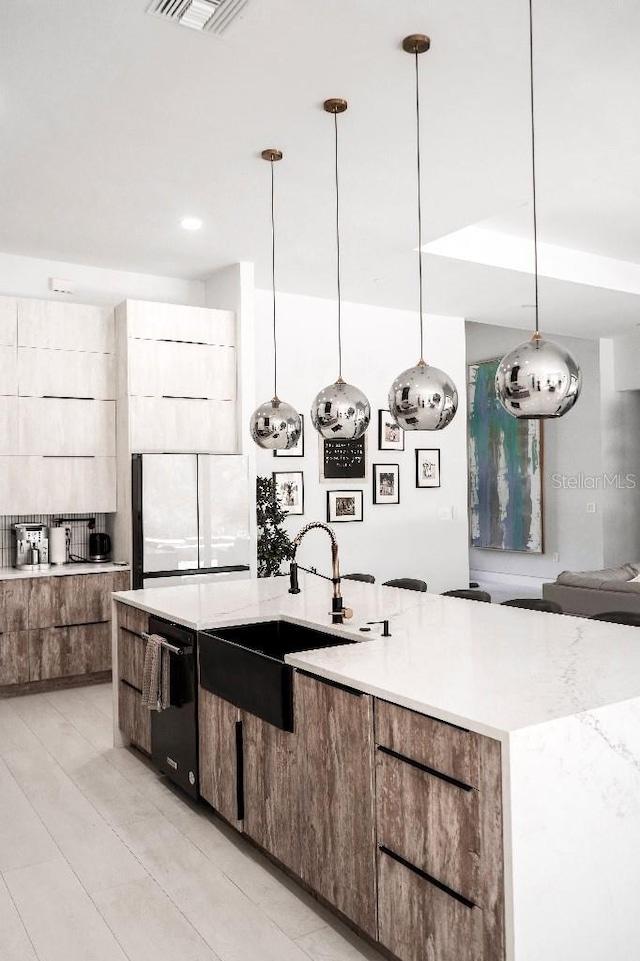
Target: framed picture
298 450
390 436
342 459
386 484
344 506
290 491
427 468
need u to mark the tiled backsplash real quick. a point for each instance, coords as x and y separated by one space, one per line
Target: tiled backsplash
76 523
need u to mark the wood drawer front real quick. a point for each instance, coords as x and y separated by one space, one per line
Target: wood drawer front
430 822
14 604
443 747
69 651
418 921
131 649
14 658
134 620
71 599
134 719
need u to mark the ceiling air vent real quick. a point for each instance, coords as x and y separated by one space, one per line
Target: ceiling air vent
211 15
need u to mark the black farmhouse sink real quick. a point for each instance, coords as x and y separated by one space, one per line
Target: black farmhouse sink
245 665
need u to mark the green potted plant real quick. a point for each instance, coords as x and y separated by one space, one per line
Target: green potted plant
274 544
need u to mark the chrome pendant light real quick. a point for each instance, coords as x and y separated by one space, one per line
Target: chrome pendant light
421 397
539 379
340 409
275 425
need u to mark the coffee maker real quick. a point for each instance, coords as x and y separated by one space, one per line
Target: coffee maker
32 546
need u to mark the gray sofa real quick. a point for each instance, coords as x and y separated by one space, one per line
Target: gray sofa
596 592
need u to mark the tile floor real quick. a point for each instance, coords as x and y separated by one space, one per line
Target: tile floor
101 859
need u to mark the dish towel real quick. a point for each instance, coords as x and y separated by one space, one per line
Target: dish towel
155 675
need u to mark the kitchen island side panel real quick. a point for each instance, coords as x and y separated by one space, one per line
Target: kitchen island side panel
575 837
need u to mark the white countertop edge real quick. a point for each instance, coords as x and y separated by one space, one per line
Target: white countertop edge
62 570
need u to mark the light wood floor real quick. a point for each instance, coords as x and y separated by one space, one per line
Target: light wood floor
101 859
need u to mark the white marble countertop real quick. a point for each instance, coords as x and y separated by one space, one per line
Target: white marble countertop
492 669
57 570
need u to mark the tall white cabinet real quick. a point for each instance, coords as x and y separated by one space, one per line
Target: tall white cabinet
57 407
177 389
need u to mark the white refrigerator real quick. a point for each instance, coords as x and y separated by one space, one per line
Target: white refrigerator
190 518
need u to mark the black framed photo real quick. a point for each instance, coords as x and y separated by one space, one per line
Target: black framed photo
386 484
297 450
344 507
390 436
428 468
290 491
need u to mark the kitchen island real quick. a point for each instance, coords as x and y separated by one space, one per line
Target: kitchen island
549 851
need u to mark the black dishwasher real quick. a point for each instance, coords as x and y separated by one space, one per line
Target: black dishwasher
174 731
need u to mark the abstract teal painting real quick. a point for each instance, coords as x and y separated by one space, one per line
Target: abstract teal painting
505 470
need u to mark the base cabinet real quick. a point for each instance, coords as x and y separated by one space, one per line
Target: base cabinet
14 657
221 768
69 651
133 718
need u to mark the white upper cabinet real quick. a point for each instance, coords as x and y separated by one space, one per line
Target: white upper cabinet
8 371
8 429
57 485
166 369
161 425
77 327
65 373
194 325
8 321
69 428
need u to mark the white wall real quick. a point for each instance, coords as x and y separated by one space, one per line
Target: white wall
571 447
29 277
408 540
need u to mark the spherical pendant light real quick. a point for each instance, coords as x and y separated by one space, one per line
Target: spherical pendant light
421 397
539 379
340 409
275 425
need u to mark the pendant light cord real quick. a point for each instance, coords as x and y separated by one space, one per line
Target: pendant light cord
273 286
419 208
533 167
335 127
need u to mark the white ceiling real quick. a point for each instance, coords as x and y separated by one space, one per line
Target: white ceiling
116 124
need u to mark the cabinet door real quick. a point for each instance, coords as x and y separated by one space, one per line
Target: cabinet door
70 599
65 373
134 720
56 427
9 431
14 658
196 325
163 369
171 425
49 323
8 321
14 603
57 485
271 795
8 371
335 727
220 734
69 651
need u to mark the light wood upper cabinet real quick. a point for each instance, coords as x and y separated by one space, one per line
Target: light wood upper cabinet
49 323
8 321
8 429
57 485
81 428
174 322
171 425
65 373
8 371
165 369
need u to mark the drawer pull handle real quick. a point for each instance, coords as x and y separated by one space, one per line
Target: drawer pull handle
80 624
427 877
425 768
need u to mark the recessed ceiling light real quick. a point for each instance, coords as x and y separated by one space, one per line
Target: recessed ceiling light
191 223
